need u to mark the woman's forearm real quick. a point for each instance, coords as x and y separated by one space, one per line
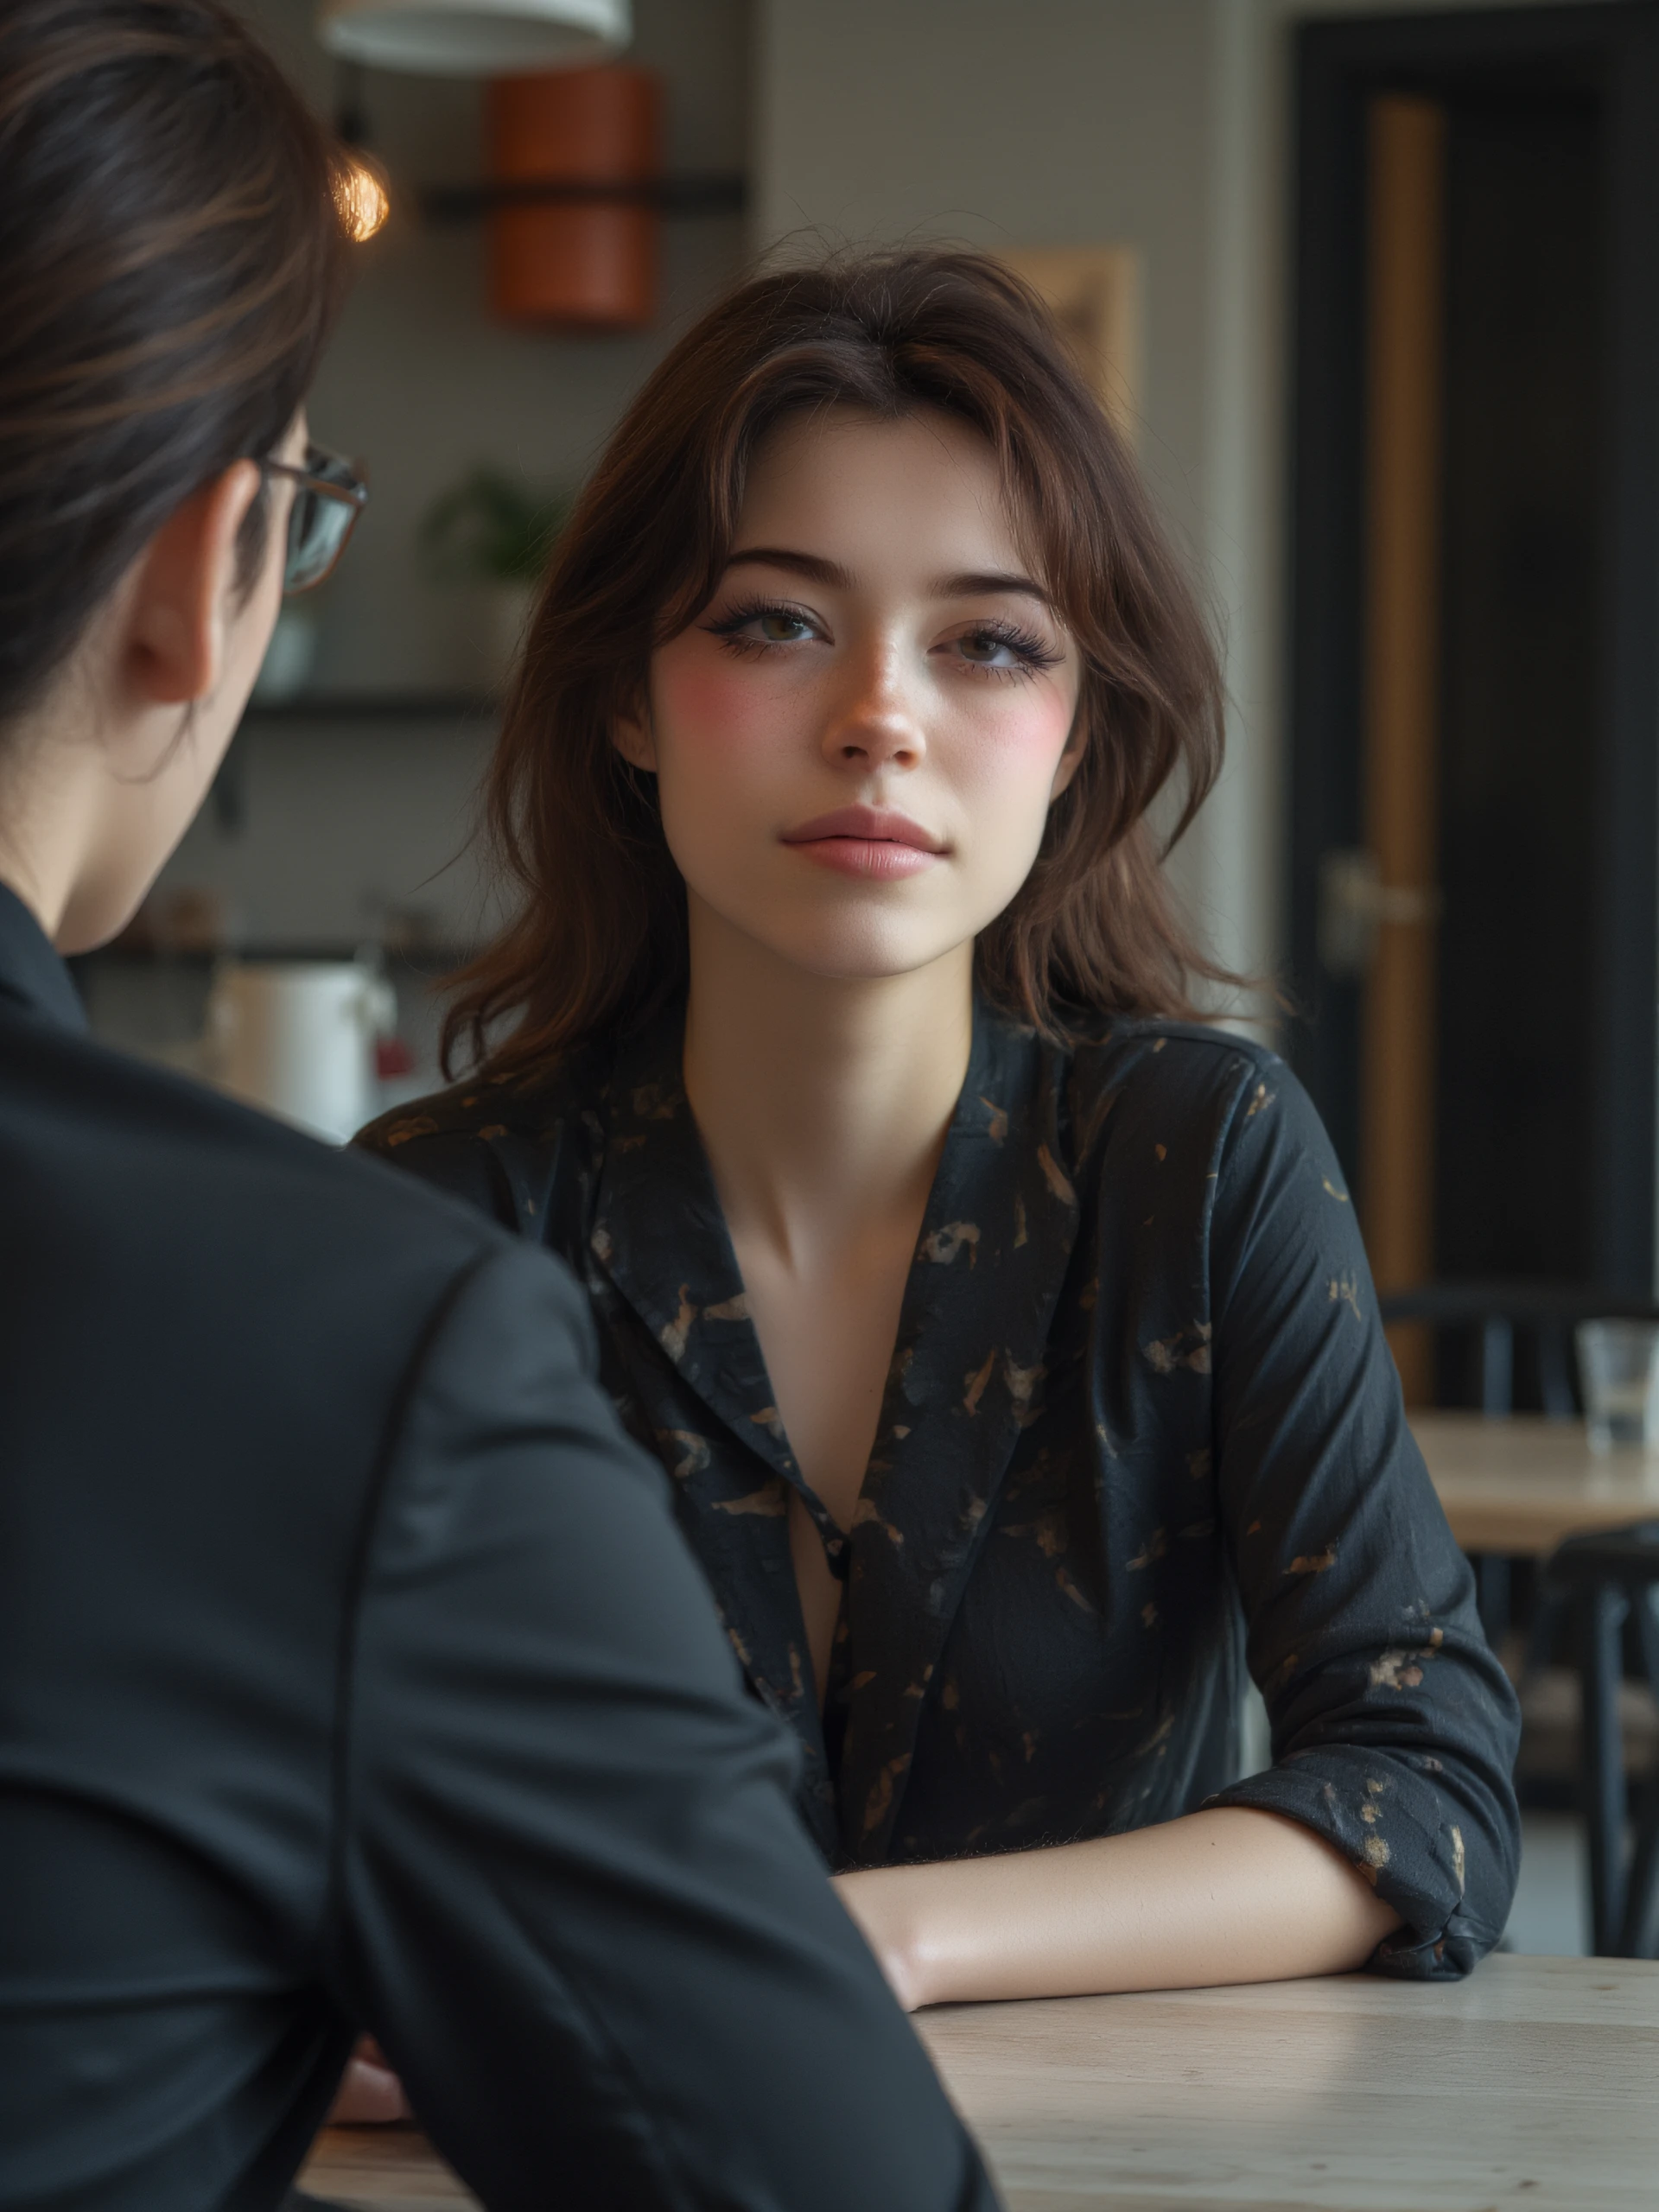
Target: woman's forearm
1232 1895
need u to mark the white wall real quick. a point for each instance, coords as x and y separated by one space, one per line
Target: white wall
1057 122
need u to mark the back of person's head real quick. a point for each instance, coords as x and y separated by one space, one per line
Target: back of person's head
600 934
172 257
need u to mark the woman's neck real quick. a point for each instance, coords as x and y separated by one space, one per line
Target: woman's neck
822 1102
49 813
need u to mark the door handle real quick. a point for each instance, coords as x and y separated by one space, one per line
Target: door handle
1355 904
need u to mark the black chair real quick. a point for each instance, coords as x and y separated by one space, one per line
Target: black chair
1606 1576
1491 1312
1603 1578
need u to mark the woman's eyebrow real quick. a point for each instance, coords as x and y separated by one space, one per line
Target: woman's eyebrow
974 582
810 565
968 584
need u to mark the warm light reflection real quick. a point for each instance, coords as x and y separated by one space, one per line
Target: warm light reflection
364 205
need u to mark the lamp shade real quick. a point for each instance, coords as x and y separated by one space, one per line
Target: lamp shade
474 38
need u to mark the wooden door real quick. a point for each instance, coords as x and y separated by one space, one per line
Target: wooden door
1474 669
1405 185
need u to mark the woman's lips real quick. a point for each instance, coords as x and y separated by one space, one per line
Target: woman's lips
871 841
876 857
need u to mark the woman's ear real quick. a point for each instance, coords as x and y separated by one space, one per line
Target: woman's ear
182 599
631 735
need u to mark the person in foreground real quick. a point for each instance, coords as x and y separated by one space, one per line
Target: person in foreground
1000 1326
351 1669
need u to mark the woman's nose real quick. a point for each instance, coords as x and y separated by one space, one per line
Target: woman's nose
876 727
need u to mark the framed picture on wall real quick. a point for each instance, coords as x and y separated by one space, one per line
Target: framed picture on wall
1095 292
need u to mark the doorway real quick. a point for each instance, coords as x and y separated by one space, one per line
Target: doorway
1475 673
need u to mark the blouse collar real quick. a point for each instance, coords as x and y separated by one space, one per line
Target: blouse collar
966 1378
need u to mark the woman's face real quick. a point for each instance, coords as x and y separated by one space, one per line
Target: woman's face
857 740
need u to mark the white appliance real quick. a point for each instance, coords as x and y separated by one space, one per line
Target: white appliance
297 1038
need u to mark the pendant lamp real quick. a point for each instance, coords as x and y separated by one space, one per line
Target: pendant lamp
474 38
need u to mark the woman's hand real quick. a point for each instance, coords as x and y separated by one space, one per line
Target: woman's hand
369 2093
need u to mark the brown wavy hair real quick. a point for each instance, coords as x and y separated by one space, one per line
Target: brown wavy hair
598 938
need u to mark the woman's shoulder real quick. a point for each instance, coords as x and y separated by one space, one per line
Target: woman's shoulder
1137 1065
1218 1111
468 1138
465 1114
486 1106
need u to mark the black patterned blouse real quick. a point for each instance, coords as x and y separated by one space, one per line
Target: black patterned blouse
1140 1420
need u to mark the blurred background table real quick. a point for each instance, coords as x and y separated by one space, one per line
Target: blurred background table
1520 1483
1532 2083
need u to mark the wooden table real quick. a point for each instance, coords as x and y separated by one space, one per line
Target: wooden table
1520 1483
1533 2084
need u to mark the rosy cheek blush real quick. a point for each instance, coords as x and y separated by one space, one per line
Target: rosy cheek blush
1040 725
716 708
1021 744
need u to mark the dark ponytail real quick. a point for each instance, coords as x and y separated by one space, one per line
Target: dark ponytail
172 257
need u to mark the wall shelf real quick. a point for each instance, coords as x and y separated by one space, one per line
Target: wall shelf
418 963
374 706
717 195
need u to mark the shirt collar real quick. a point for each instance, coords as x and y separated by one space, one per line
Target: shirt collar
967 1381
33 975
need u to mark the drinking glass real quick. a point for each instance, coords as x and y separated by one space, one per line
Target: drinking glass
1618 1366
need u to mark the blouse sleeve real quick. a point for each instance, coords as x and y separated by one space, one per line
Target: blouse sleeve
1394 1728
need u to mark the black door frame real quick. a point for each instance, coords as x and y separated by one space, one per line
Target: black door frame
1610 47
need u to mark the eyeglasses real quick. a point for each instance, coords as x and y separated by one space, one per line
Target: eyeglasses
327 502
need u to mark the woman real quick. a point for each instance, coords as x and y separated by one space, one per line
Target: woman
329 1697
1000 1327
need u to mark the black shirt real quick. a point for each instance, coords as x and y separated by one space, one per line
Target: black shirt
1140 1414
352 1672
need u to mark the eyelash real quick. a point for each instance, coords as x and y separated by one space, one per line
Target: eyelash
1032 651
727 626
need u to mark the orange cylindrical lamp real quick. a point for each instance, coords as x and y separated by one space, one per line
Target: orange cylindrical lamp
592 266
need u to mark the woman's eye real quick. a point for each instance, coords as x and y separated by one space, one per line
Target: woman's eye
989 648
753 629
780 629
1005 653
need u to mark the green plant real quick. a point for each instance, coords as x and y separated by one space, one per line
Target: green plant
491 527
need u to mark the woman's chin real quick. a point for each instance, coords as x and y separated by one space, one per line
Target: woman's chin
843 939
867 956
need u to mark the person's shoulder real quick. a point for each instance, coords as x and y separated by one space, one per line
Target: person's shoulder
1218 1099
502 1145
110 1137
1217 1109
1170 1067
463 1114
482 1110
